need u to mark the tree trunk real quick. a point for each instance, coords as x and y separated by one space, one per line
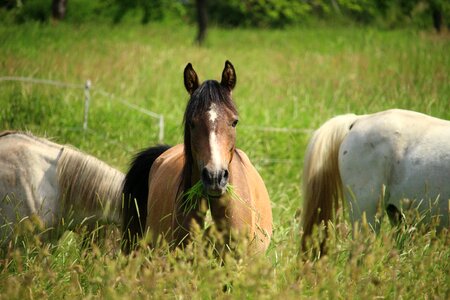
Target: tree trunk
59 9
437 18
202 19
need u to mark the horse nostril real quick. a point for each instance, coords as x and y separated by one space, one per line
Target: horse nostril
225 174
218 179
206 177
223 180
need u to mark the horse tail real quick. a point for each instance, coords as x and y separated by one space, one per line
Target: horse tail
135 190
322 183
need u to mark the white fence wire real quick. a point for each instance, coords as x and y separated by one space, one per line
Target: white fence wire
87 87
278 129
87 96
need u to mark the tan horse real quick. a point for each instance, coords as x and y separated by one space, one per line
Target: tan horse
208 155
39 177
387 162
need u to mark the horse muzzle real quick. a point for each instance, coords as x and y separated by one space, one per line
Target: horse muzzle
214 182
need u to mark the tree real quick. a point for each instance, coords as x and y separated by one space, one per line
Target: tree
59 8
202 19
436 14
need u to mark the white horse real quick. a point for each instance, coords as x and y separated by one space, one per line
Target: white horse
389 162
54 182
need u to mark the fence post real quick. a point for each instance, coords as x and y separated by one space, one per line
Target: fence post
161 129
87 97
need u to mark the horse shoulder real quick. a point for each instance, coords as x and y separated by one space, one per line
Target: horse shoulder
42 176
28 175
259 198
253 175
12 176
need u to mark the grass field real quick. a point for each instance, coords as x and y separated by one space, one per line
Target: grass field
293 79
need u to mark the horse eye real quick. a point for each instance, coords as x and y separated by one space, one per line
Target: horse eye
234 123
192 125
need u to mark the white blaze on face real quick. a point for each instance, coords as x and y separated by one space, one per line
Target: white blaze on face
213 114
213 144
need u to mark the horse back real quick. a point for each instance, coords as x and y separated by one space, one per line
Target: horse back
406 152
27 178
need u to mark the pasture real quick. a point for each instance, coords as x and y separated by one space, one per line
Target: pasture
288 83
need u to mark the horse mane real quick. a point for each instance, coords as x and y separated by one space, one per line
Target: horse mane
135 191
27 134
209 92
88 183
24 134
8 132
84 181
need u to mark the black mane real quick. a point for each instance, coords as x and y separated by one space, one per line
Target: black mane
135 191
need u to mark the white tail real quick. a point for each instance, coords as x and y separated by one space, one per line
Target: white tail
322 184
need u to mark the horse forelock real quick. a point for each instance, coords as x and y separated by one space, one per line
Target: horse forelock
208 93
88 183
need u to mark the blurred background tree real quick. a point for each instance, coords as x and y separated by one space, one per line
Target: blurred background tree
236 13
202 19
59 9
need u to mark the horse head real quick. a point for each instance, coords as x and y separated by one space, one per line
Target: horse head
210 129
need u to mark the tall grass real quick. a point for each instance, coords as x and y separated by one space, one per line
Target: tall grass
286 79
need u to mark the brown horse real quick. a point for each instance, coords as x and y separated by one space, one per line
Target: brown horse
159 177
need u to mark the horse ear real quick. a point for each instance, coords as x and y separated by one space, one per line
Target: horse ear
228 76
190 79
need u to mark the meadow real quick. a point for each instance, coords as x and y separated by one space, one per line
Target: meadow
288 83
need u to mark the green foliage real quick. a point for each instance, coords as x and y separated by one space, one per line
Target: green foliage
234 13
154 10
271 13
79 11
258 13
362 11
33 10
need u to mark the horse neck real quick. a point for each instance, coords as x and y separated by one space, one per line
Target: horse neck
190 174
90 186
184 213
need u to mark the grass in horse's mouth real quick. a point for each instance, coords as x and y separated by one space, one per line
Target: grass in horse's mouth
195 193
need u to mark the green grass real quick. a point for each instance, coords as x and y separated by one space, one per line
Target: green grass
195 193
296 78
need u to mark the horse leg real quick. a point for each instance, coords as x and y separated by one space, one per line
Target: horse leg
394 214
